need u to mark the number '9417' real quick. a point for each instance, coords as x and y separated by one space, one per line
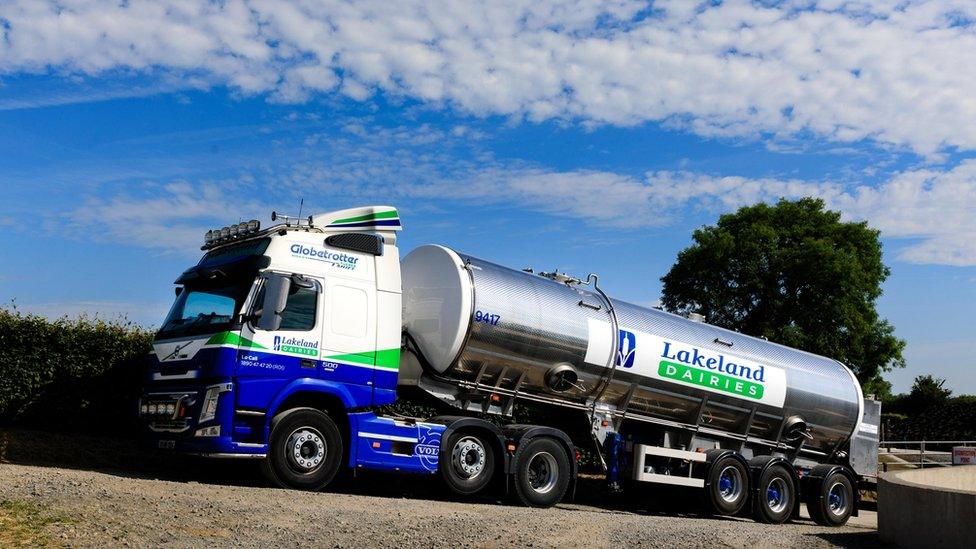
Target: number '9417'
487 318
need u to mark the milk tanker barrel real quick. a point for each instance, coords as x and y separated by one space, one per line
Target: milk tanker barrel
477 322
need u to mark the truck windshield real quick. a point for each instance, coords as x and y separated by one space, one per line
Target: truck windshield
204 309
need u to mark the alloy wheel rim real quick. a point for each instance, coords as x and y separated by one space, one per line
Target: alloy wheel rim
837 499
306 449
469 457
777 495
730 484
542 472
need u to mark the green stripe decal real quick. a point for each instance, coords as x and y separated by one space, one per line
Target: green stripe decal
368 217
387 358
352 357
231 338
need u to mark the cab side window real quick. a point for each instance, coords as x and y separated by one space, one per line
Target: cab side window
299 313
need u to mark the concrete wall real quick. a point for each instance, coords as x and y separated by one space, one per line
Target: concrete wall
928 507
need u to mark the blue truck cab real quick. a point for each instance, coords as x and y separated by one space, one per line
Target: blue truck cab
280 342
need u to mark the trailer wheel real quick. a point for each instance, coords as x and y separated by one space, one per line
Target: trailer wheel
776 495
305 450
470 463
542 471
833 503
728 486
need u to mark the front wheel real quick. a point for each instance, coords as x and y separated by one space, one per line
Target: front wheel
305 451
542 472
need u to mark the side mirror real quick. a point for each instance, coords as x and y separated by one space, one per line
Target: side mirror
275 298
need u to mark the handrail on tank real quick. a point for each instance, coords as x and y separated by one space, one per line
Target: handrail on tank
593 280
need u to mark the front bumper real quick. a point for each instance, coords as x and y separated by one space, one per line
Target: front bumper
199 420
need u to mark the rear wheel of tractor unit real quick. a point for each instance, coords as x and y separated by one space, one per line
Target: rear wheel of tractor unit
305 451
470 463
728 486
834 503
542 471
776 495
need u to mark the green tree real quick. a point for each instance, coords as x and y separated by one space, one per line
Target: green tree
793 273
927 392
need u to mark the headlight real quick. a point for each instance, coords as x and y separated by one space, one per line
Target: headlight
208 411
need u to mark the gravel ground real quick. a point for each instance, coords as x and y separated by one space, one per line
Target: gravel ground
179 506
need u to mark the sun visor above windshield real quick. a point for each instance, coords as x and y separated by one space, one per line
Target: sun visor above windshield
234 252
235 267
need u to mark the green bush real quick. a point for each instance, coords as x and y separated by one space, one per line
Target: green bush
955 420
75 374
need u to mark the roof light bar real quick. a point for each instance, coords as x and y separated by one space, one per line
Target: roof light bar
213 237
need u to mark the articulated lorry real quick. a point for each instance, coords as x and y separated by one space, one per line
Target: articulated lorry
284 344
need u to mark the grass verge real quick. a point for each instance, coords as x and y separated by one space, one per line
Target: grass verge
24 524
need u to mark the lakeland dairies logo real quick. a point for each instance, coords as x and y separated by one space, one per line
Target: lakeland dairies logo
338 259
713 371
627 349
296 345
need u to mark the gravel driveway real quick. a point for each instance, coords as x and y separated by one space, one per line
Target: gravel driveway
142 506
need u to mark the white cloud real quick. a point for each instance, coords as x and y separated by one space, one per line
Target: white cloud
928 213
171 217
902 73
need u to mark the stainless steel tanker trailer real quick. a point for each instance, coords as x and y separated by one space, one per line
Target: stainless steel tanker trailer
284 344
669 400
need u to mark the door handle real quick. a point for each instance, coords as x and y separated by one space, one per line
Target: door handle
308 363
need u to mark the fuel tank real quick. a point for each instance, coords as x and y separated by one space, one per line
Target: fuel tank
561 340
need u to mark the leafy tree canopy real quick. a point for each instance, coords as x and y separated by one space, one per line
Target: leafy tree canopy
793 273
928 392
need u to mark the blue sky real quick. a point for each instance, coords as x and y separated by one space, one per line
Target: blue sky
545 134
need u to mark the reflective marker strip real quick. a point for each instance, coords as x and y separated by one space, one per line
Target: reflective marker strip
387 437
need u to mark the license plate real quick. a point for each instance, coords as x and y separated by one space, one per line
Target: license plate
167 444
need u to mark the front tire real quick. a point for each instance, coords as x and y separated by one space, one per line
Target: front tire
305 451
834 502
542 472
470 463
776 495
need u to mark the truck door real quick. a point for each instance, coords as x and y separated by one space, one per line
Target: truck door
349 332
269 359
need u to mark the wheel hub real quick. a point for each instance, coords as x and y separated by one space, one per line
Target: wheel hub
469 457
307 449
777 495
730 484
542 472
837 499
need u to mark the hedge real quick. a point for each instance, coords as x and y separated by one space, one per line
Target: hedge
955 420
70 374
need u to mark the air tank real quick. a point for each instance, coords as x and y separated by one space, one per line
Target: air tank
560 340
